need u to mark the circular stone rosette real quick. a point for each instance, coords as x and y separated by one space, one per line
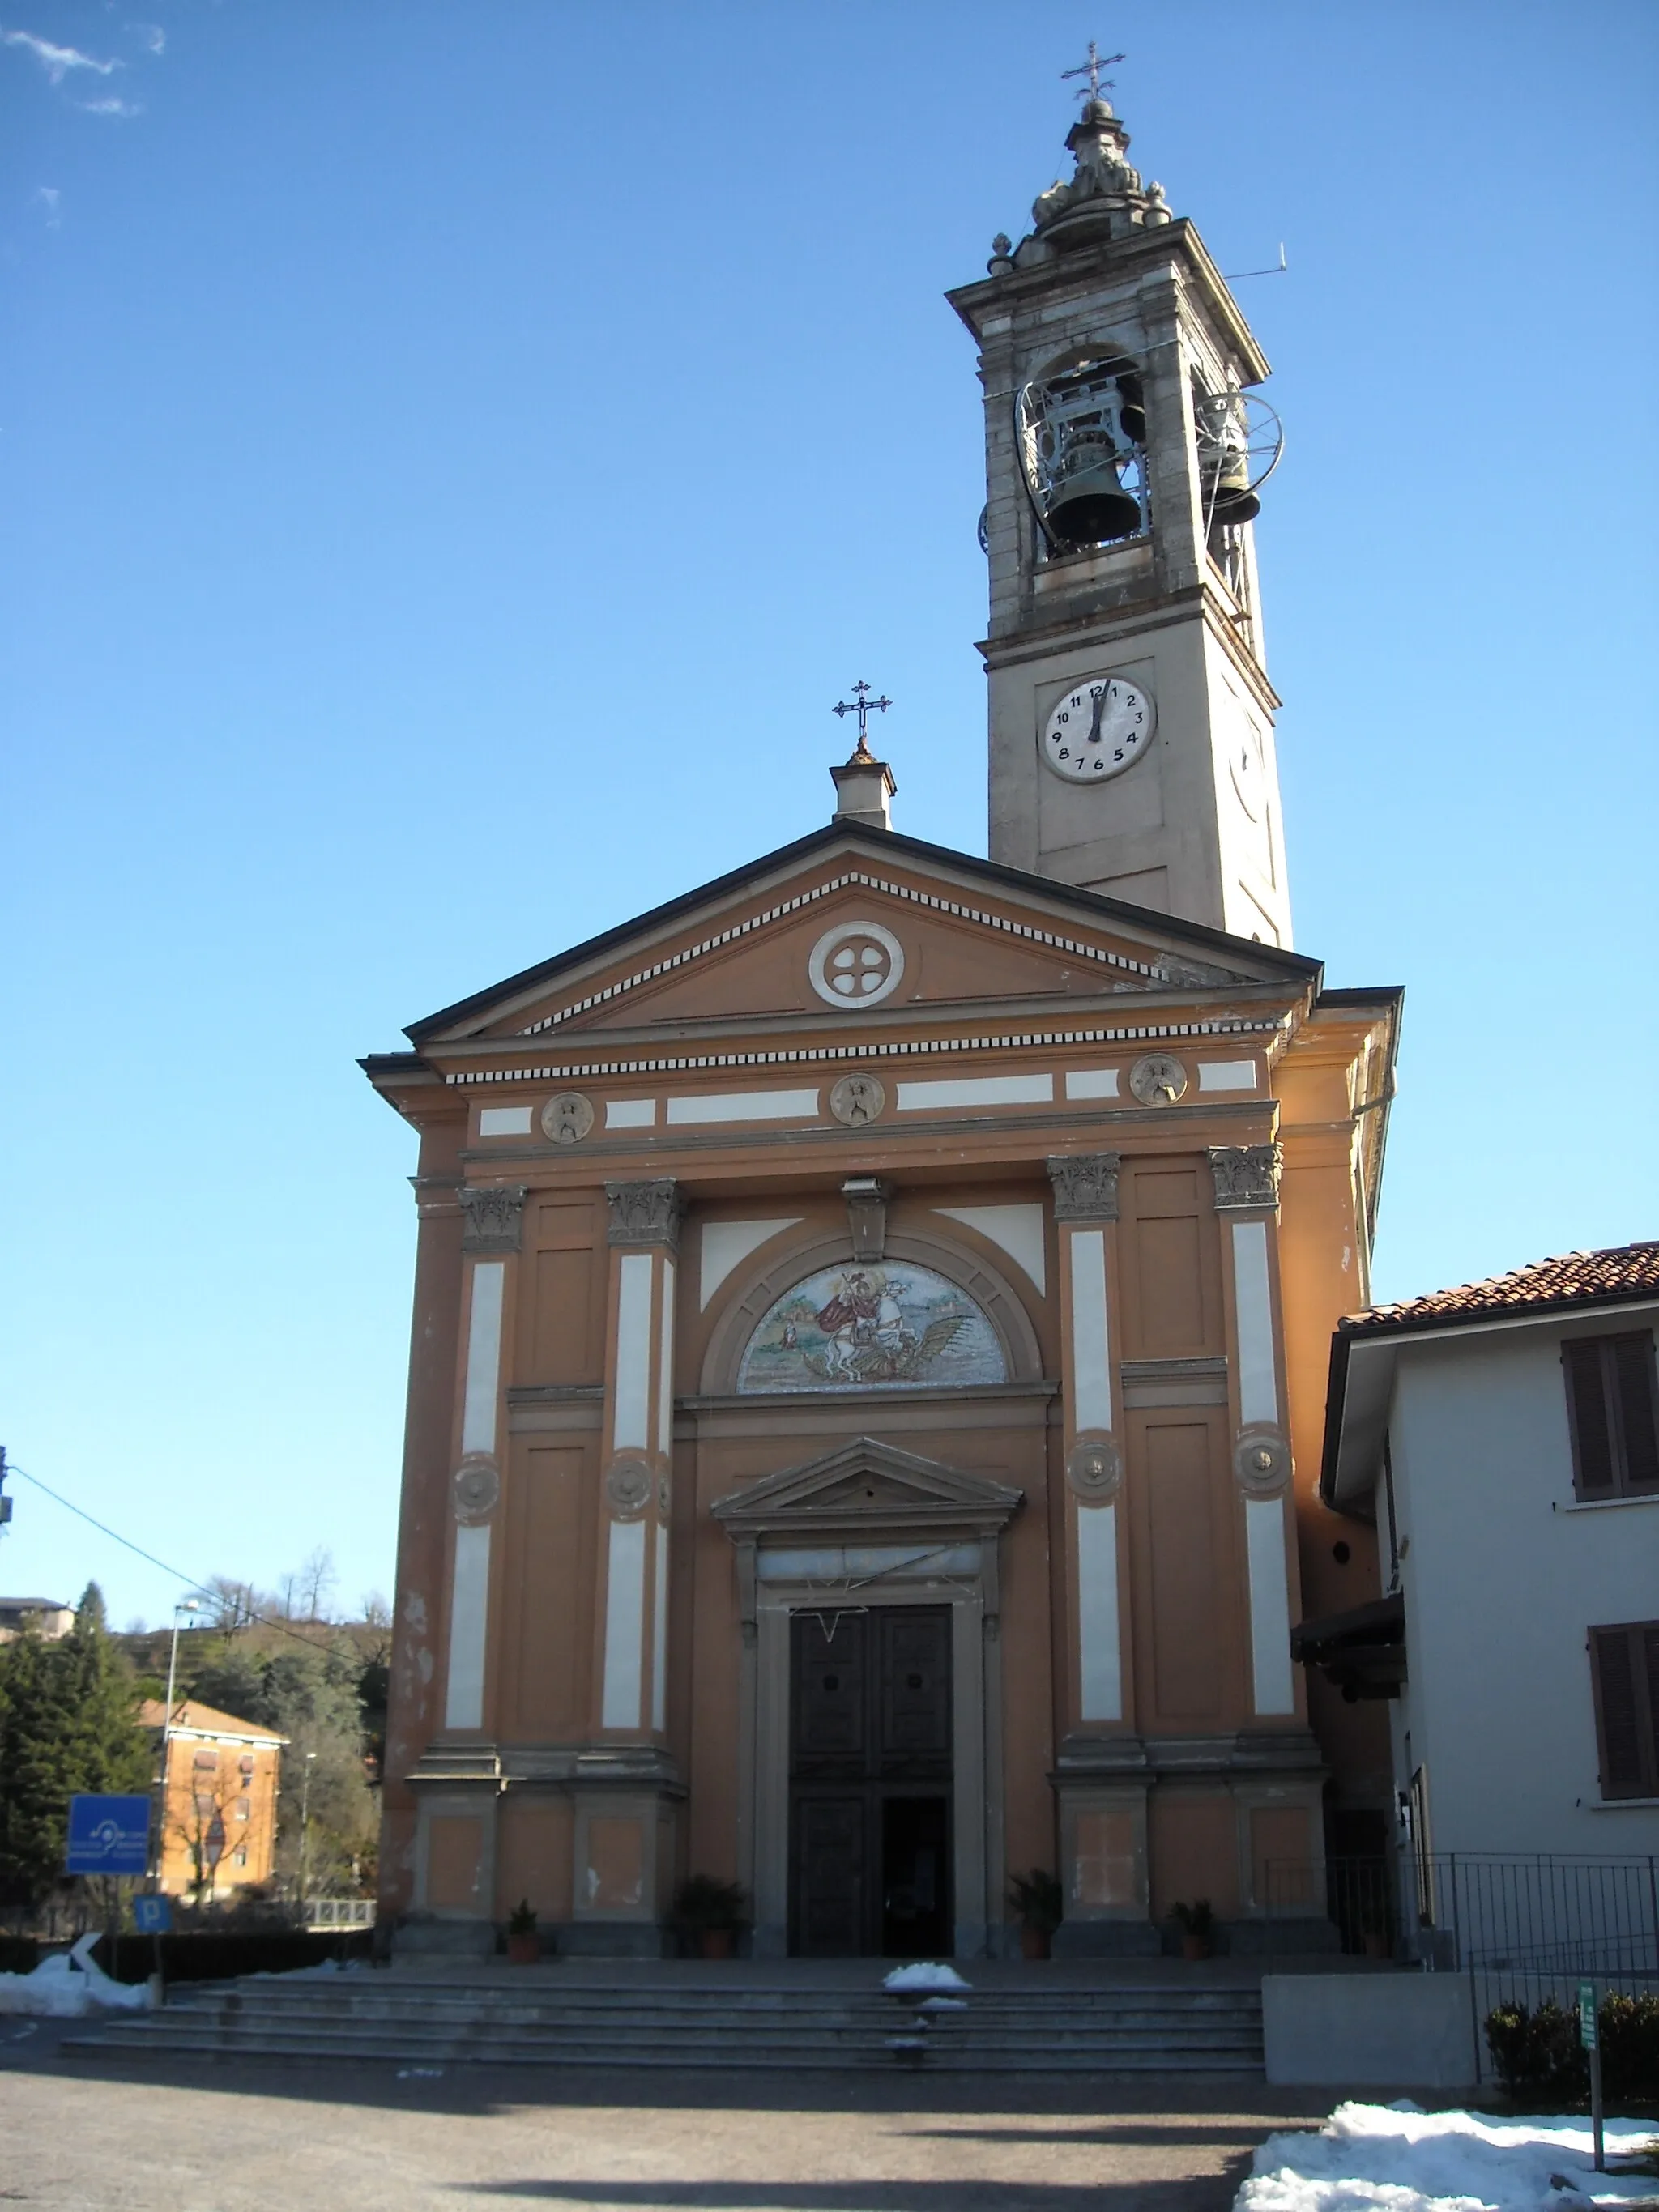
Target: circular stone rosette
1094 1467
628 1485
1157 1079
567 1119
856 964
477 1489
1262 1460
857 1099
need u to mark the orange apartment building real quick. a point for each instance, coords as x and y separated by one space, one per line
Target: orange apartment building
871 1313
217 1783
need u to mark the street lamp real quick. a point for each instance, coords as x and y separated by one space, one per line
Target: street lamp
305 1825
185 1605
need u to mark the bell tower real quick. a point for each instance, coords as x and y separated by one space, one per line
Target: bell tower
1131 717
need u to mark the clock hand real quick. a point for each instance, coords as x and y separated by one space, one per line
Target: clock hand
1100 708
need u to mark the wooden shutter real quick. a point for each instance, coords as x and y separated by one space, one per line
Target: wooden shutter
1633 1393
1625 1661
1595 1474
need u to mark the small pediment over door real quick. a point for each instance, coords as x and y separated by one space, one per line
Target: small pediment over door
865 1491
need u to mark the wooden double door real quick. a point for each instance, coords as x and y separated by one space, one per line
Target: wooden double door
870 1784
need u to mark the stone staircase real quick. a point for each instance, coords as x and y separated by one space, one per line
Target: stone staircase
1138 2028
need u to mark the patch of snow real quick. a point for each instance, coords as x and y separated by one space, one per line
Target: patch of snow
943 2004
1398 2158
923 1976
323 1969
68 1985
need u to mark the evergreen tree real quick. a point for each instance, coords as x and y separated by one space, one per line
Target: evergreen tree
68 1724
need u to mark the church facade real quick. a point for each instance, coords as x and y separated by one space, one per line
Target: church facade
871 1312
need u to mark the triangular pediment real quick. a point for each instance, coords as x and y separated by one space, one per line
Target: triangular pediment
867 1486
970 935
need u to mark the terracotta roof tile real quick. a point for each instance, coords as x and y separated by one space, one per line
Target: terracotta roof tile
1627 1271
187 1714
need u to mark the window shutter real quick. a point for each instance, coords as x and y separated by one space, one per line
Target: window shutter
1633 1378
1587 1407
1616 1691
1649 1639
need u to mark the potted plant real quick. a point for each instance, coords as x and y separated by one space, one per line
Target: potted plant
1197 1924
710 1912
1039 1904
524 1941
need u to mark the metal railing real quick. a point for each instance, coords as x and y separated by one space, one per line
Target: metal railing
1525 1928
323 1915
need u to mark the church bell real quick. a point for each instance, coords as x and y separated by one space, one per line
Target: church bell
1225 458
1087 504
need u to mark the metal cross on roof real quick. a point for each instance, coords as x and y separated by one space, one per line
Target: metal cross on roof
1091 70
862 706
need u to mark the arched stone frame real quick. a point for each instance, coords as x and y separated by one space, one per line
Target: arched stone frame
990 1290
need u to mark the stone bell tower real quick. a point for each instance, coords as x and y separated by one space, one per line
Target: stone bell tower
1131 717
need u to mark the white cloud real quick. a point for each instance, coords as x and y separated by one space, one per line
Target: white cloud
47 196
110 106
152 36
57 61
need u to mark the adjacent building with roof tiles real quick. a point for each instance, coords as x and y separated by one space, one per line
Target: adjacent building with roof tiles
217 1781
1502 1440
871 1312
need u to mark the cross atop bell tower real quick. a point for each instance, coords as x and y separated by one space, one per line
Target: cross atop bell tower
1131 716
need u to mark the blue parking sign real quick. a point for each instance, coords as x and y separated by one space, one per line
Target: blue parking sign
153 1916
108 1835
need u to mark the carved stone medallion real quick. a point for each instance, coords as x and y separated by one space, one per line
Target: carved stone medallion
857 1099
567 1119
477 1489
1094 1466
1246 1175
495 1218
628 1485
1157 1079
1262 1460
1086 1185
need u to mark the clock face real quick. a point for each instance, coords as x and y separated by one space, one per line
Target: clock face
1099 730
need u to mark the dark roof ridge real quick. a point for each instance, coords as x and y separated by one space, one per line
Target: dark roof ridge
1615 1272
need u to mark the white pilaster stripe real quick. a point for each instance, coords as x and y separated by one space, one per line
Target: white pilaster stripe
628 1430
659 1628
1258 1384
1270 1605
1092 1373
469 1606
484 1357
666 1364
624 1625
1100 1661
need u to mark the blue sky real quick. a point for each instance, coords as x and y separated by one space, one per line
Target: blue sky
453 457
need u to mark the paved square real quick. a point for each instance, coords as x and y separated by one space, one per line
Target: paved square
85 2135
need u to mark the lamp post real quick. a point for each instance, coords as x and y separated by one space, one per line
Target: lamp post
185 1605
304 1826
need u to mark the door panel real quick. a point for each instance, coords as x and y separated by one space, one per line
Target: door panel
870 1765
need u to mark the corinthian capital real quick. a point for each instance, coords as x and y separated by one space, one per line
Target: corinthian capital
1245 1175
1086 1185
645 1212
495 1218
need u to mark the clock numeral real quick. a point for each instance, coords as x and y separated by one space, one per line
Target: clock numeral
1064 715
1065 753
1099 767
1118 755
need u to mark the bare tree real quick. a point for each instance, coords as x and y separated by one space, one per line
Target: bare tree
315 1582
230 1606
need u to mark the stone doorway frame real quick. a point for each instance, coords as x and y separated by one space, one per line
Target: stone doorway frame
918 1533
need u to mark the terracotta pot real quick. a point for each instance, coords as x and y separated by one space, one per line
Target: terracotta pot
1035 1942
717 1942
523 1950
1194 1946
